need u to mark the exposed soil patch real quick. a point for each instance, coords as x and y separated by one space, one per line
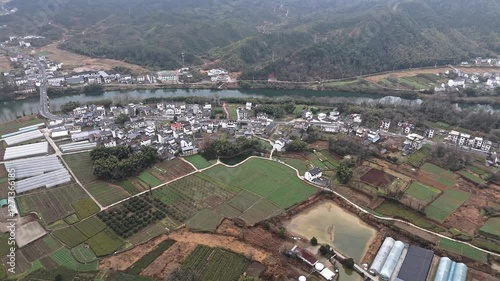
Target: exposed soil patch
319 145
407 73
79 63
4 62
170 260
376 177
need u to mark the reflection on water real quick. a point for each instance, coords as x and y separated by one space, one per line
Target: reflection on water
332 225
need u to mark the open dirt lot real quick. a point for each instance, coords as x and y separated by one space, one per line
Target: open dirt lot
410 73
80 63
407 73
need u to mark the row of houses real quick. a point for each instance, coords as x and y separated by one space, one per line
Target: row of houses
466 140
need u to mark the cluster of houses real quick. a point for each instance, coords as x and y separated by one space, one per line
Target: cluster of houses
173 128
485 81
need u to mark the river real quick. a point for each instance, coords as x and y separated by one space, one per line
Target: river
10 109
332 225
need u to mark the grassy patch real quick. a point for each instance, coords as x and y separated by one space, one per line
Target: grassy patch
146 260
298 164
83 254
422 192
70 236
14 125
446 204
488 245
461 249
198 161
85 208
443 176
215 264
72 219
105 243
91 226
418 158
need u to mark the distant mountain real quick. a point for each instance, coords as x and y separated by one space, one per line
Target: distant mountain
292 39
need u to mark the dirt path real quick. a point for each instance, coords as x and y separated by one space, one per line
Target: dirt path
226 110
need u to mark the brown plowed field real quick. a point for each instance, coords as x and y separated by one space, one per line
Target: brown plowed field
376 177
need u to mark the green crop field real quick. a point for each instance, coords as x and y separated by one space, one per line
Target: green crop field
85 208
243 200
215 264
150 257
271 180
443 176
63 257
83 254
461 249
190 194
70 236
227 210
128 186
149 179
491 228
422 192
473 178
446 204
398 211
71 219
91 226
260 211
82 166
52 204
418 158
198 161
205 220
105 243
316 161
105 193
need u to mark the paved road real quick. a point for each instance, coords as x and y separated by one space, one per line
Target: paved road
44 100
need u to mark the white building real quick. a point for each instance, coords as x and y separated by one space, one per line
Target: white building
248 106
386 124
453 136
313 174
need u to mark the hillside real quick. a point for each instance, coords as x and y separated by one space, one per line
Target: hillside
294 40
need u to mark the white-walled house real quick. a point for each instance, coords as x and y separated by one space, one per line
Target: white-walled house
313 174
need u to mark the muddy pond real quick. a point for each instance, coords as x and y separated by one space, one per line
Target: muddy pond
331 224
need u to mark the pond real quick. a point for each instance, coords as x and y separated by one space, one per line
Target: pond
332 225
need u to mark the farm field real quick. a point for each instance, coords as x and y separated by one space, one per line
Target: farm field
105 193
149 179
14 125
215 264
91 226
397 211
198 161
82 166
70 236
51 204
422 192
147 259
463 250
475 179
169 170
128 186
446 204
83 254
298 164
63 257
105 243
273 181
40 248
205 220
418 158
491 228
377 178
190 194
435 176
85 208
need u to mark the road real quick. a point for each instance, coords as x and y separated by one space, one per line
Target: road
44 99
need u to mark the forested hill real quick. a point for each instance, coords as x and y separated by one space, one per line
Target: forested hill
292 39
